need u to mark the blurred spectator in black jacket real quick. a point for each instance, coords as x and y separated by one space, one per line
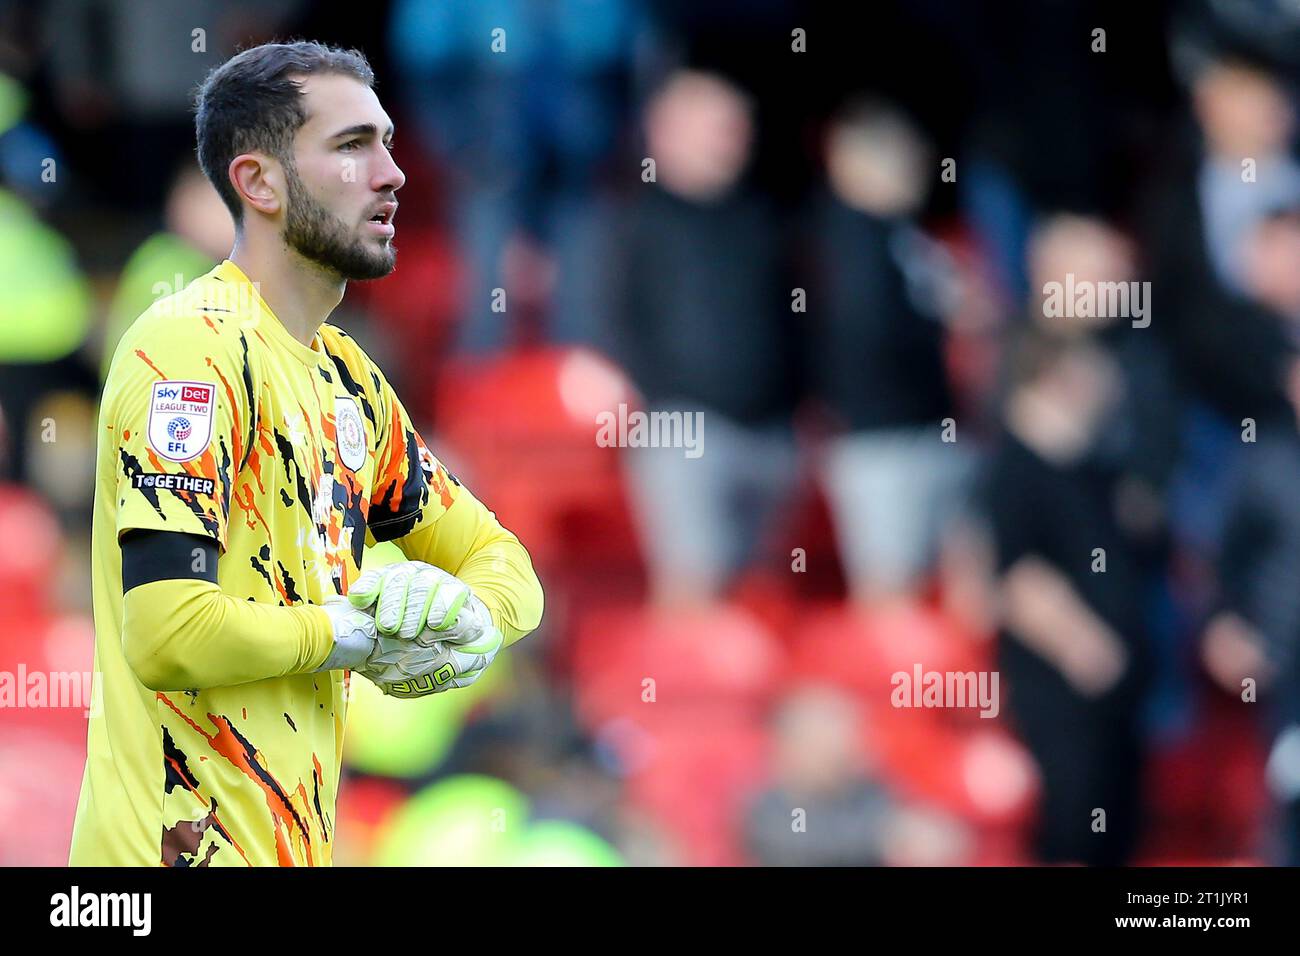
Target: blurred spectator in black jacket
1072 644
704 326
877 305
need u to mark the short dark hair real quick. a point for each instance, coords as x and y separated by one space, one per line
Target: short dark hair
252 102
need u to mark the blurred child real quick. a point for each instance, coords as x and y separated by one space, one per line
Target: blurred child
849 818
1072 643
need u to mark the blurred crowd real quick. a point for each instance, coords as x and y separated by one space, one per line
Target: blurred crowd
989 313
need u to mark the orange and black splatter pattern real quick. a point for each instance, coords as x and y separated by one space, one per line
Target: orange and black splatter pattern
311 456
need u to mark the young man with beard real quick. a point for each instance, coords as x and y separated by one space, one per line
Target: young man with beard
248 451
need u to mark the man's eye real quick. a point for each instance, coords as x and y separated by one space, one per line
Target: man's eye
389 145
350 144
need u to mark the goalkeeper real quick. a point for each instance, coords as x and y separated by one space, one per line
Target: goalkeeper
247 453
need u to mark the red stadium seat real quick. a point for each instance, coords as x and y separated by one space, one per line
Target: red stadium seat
49 658
26 571
717 654
1203 793
983 776
415 309
523 429
949 759
697 746
693 772
861 651
40 781
54 656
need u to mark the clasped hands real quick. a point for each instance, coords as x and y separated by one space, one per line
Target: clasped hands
412 629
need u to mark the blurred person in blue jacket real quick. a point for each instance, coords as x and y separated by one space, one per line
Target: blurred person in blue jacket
1250 642
1230 348
522 100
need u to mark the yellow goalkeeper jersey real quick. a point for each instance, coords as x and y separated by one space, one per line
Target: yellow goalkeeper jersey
216 421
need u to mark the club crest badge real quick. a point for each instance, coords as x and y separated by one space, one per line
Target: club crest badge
350 432
180 418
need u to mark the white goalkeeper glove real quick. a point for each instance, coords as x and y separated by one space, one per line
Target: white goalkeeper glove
354 635
399 667
419 602
433 633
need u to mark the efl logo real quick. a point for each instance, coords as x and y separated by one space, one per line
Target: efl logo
180 419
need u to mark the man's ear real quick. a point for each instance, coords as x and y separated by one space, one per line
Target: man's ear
258 181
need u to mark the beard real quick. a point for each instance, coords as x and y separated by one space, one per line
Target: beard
321 237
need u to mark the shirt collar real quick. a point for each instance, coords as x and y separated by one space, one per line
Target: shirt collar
270 325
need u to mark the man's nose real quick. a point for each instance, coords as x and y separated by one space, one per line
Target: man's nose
389 175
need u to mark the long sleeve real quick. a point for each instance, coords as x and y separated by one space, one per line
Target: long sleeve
467 540
424 509
188 635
